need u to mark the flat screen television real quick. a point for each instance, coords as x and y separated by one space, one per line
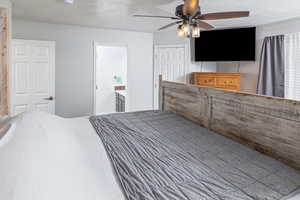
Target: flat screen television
226 45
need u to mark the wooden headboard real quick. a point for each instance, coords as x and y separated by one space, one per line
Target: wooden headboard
266 124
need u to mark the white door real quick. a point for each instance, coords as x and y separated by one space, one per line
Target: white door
170 62
33 76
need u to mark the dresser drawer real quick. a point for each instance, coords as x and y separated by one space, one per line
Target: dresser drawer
226 81
234 84
206 81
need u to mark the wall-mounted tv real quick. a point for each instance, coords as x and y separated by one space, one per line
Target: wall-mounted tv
226 45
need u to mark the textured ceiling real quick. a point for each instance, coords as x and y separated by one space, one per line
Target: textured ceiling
117 14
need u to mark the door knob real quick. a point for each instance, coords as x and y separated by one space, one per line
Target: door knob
49 99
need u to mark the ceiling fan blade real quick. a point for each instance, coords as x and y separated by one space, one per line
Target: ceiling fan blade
153 16
190 6
224 15
196 13
169 25
204 25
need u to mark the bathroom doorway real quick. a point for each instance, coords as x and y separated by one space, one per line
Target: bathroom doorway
110 79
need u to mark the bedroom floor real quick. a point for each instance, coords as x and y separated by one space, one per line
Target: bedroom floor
253 173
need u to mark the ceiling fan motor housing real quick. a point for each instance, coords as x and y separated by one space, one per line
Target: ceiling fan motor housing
179 11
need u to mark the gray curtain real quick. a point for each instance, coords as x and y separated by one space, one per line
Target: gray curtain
271 70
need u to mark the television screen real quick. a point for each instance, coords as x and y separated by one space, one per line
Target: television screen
226 45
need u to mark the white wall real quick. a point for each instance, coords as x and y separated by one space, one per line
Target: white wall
5 4
74 63
170 38
111 61
250 70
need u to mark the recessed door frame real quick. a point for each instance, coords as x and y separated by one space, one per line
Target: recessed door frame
95 45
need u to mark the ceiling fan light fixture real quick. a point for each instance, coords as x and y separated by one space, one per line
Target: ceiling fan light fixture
180 32
186 29
196 31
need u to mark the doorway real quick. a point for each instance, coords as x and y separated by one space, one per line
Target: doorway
110 79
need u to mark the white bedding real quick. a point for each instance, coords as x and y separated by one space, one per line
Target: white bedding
51 158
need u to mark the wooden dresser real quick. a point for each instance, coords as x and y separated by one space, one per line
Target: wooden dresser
225 81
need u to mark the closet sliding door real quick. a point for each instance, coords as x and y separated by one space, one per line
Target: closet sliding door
170 61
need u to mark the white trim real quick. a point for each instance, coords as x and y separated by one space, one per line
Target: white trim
171 46
105 44
51 43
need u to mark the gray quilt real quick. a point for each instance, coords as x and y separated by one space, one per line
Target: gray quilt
162 156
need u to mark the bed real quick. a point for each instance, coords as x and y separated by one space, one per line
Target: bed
48 157
202 144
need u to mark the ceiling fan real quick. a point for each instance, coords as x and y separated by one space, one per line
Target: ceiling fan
190 18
